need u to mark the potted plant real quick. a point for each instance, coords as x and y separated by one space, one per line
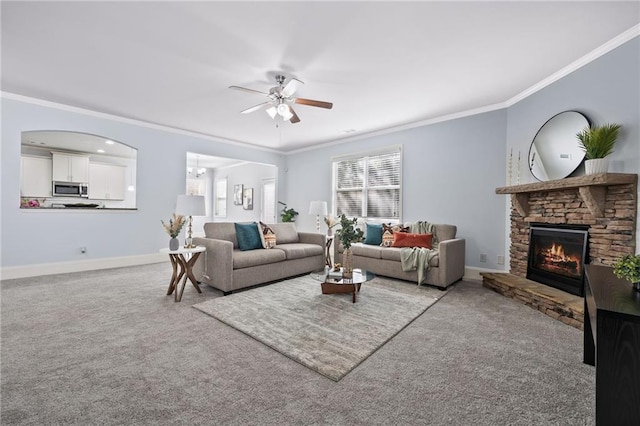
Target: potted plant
173 228
287 215
628 268
348 234
597 142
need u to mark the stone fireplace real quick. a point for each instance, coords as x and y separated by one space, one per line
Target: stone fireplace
603 205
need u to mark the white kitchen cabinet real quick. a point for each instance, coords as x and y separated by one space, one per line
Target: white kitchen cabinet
70 168
35 179
106 182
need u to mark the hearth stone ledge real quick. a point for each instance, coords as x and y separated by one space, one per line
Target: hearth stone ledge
555 303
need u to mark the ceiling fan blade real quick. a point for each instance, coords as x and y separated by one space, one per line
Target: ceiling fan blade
291 87
311 102
244 89
255 107
294 118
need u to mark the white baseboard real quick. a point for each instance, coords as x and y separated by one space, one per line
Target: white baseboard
26 271
472 273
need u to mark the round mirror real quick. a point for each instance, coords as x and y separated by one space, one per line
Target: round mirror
555 152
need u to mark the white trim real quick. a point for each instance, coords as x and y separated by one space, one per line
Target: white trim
473 273
133 121
25 271
576 65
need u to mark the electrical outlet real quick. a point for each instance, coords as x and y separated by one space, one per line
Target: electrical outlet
483 258
500 260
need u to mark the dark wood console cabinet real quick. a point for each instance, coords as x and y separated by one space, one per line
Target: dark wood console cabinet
612 344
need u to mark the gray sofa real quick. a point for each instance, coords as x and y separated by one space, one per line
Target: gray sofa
445 268
225 267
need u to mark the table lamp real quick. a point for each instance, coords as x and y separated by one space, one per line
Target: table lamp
318 208
190 205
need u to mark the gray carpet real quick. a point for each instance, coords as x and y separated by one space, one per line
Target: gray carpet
110 348
326 333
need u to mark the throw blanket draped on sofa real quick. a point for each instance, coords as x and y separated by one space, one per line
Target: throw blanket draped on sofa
419 258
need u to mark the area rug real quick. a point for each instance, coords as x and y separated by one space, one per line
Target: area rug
326 333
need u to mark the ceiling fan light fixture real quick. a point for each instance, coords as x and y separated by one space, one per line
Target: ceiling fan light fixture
283 109
286 113
272 112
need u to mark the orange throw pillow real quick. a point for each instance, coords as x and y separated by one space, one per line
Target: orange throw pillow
402 239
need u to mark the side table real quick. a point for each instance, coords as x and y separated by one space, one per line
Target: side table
182 261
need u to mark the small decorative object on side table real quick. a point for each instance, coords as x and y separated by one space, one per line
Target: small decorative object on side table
328 251
190 205
182 269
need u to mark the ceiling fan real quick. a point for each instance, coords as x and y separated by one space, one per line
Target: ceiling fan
281 98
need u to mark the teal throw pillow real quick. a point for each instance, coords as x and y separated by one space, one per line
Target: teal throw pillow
374 234
248 236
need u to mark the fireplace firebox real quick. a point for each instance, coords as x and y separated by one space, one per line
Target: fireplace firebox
557 255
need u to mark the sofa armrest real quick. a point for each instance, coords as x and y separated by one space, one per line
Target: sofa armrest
215 266
312 238
452 258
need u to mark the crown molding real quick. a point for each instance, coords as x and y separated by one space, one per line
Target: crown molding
618 41
141 123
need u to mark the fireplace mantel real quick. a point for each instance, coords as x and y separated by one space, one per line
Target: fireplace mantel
592 189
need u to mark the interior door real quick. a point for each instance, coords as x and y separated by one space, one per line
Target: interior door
268 207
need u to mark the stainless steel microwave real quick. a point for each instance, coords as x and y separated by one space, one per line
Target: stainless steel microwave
70 189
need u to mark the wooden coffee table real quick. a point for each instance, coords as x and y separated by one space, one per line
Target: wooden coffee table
351 285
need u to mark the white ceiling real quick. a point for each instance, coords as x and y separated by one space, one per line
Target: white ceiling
382 64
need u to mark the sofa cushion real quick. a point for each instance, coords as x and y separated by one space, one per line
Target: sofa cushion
393 253
445 232
247 259
248 236
221 231
300 250
367 250
285 233
402 239
373 235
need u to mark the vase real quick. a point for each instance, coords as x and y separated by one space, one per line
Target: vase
347 263
596 166
329 232
174 244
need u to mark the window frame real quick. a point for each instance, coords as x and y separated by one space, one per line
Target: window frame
366 156
217 198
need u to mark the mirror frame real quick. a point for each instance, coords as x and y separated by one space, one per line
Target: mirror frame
557 138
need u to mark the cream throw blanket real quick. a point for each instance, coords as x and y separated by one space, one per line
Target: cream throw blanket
419 258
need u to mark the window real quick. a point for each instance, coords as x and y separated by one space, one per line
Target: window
221 198
369 185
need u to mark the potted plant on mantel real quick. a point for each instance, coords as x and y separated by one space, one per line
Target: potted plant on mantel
348 234
628 268
597 143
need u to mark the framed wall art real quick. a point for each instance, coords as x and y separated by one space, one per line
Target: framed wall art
237 194
247 201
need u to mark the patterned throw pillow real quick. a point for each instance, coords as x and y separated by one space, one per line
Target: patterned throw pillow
267 236
387 233
405 239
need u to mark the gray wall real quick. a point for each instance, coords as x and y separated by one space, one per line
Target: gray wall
450 169
41 237
250 176
605 90
449 173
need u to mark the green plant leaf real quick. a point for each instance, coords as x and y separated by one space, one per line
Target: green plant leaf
598 141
